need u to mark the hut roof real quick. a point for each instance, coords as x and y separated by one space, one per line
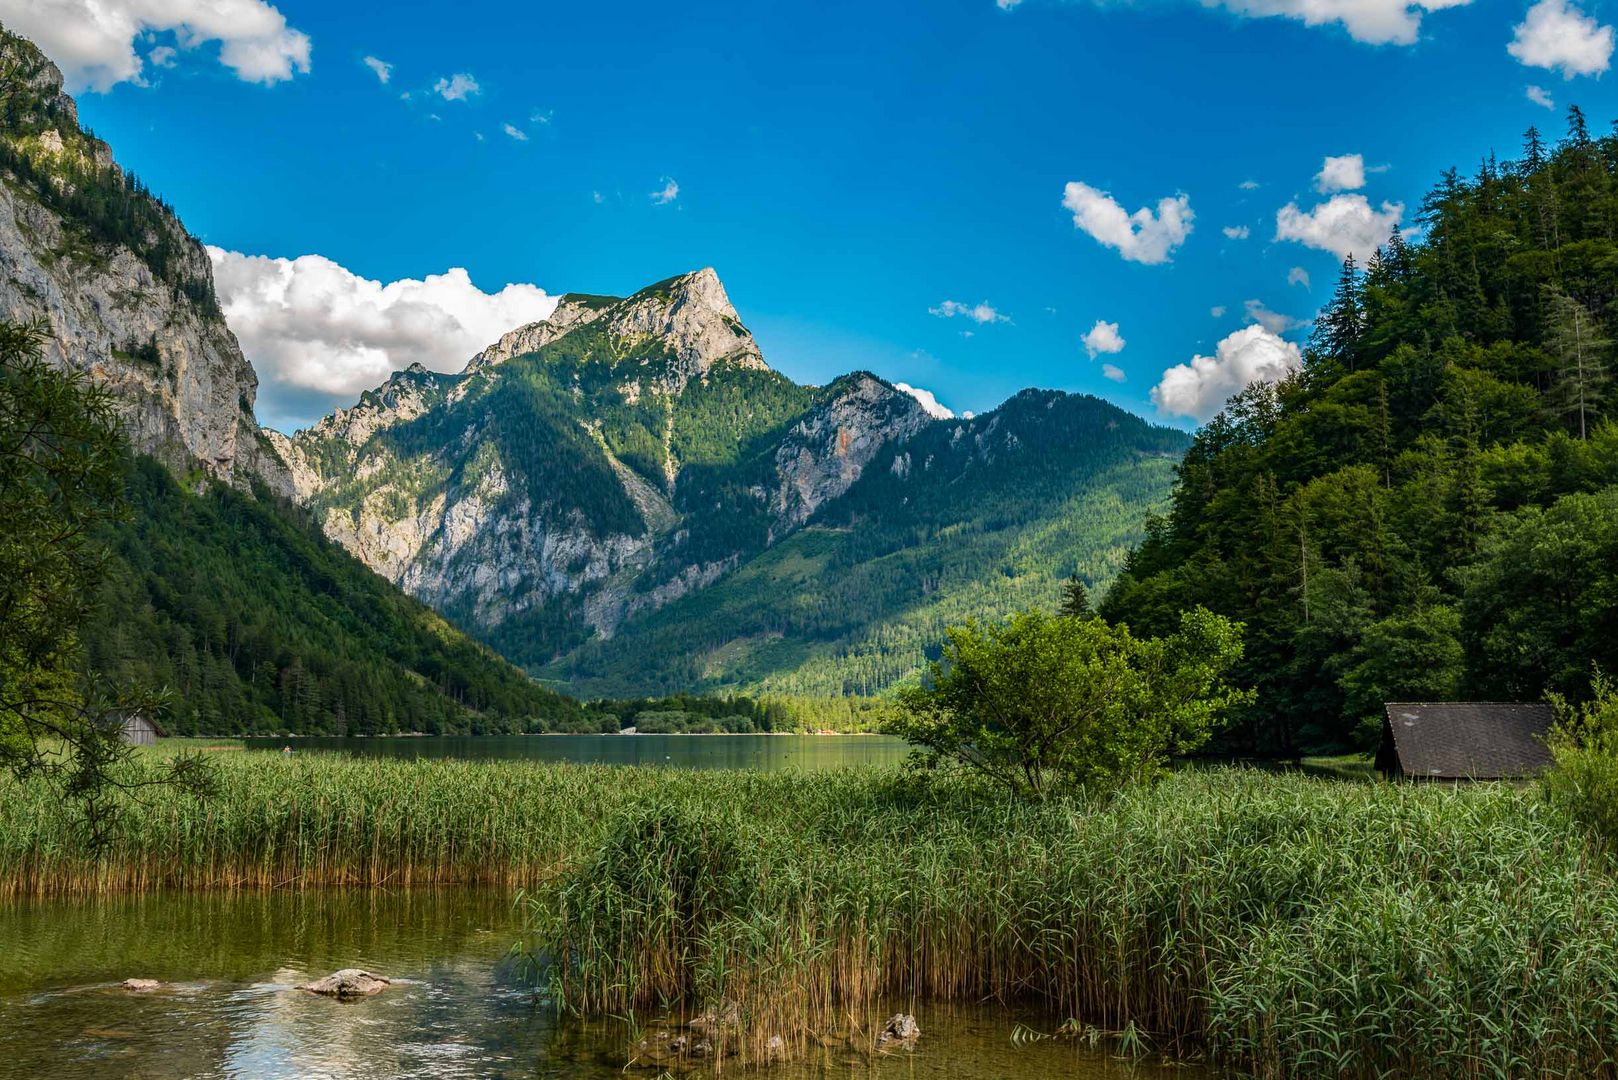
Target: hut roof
1466 740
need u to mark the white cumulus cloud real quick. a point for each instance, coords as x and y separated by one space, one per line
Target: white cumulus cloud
318 334
1541 97
1342 225
668 193
1344 173
515 132
981 314
1103 338
380 68
1146 236
1217 311
1375 22
928 402
1200 388
1113 372
1299 276
457 87
1557 36
93 41
1237 232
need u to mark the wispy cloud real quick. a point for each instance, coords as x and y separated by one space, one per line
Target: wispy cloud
667 193
457 87
983 314
380 68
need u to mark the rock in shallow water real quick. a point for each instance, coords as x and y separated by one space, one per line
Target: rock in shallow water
900 1030
347 983
140 986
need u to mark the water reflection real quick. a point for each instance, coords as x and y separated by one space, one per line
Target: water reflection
228 1009
755 752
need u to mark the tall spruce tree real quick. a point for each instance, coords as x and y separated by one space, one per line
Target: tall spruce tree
1337 331
1576 339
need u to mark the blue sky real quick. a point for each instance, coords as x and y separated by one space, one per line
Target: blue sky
854 171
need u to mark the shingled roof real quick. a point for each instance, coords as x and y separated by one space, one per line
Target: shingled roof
1464 740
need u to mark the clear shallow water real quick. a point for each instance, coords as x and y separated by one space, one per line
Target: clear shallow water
456 1010
760 752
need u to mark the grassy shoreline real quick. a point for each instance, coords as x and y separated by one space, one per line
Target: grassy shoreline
1291 925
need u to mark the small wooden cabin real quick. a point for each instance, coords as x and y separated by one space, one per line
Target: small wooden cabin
1464 740
140 729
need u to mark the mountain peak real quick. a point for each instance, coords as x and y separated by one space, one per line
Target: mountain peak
699 288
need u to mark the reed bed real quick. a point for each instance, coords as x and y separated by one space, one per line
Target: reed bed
1294 926
313 820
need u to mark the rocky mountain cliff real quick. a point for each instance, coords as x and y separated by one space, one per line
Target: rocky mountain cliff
628 454
116 284
213 587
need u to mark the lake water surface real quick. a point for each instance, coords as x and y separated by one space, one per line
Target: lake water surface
457 1010
759 752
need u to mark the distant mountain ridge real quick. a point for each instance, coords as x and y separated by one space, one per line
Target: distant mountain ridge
629 455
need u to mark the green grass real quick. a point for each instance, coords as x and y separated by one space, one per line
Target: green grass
1291 925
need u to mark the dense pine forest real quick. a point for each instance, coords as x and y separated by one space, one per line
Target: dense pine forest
1428 509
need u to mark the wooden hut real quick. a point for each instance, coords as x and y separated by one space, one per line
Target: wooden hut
1464 740
140 729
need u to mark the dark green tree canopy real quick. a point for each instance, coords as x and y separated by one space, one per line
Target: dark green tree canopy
1417 513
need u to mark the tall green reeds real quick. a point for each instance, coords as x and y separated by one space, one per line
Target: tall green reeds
1296 926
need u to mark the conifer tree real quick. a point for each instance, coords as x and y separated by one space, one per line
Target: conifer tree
1338 330
1076 600
1575 338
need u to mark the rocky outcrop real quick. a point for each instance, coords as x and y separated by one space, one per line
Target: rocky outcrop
154 339
572 310
827 450
348 983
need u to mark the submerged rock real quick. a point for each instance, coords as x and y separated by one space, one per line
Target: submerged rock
347 983
141 986
725 1016
900 1030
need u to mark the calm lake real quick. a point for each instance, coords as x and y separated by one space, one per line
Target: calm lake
456 1009
758 752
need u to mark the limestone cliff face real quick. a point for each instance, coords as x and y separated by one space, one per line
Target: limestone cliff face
827 451
592 467
133 306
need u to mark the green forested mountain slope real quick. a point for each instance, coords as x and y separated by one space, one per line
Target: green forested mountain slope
257 623
625 499
1427 510
966 519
